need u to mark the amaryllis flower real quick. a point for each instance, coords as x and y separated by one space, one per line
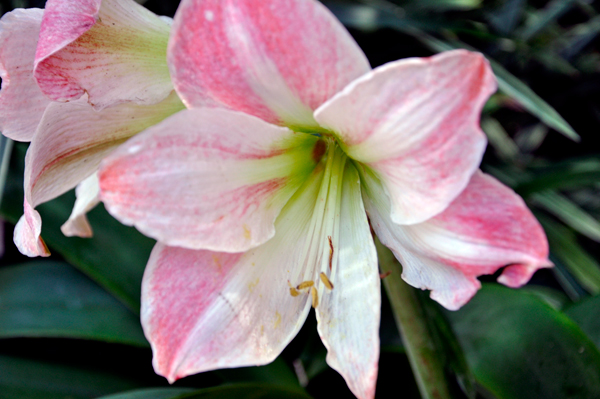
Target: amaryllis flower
78 79
259 192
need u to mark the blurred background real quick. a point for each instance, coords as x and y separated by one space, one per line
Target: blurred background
69 324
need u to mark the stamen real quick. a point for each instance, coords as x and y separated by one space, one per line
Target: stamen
326 281
294 292
330 252
315 297
384 275
305 284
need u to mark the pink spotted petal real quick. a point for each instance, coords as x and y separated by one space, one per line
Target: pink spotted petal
204 310
487 227
113 50
22 103
207 179
415 123
349 313
275 59
88 196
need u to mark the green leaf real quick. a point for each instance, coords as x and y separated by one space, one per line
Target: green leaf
51 299
569 212
28 379
153 393
519 347
505 147
275 373
570 173
563 244
246 391
541 19
586 314
381 14
115 257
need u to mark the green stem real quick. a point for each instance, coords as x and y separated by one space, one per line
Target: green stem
423 356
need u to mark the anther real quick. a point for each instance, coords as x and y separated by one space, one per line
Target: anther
294 292
305 284
315 297
326 281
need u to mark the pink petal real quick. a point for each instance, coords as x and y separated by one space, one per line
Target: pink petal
68 146
349 314
88 196
22 103
487 227
27 234
204 310
275 59
415 123
207 179
113 50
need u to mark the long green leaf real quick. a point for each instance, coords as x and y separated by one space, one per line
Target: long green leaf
115 257
246 391
569 212
28 379
563 244
380 13
51 299
153 393
520 348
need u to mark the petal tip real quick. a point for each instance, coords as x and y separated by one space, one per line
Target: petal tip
518 275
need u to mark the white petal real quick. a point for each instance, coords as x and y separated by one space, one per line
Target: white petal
348 315
88 196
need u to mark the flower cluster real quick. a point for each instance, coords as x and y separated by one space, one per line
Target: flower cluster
262 190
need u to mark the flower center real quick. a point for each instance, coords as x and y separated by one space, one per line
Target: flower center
324 224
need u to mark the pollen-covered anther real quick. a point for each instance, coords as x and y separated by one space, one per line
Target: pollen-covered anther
294 292
328 284
315 297
305 284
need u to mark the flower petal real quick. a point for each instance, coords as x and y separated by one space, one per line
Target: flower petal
207 179
22 103
349 313
88 196
27 234
487 227
70 142
274 59
113 50
204 310
415 122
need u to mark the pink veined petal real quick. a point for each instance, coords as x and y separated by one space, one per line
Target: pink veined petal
207 179
204 310
113 50
487 227
22 103
348 314
27 234
68 146
88 196
275 59
415 123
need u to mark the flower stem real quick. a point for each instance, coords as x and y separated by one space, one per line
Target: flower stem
424 358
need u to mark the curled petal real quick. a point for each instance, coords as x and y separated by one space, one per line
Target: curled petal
207 179
348 314
204 310
27 234
88 196
415 123
22 103
70 142
275 59
113 50
487 227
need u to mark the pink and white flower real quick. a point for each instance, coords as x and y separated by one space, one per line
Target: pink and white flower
259 192
78 79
